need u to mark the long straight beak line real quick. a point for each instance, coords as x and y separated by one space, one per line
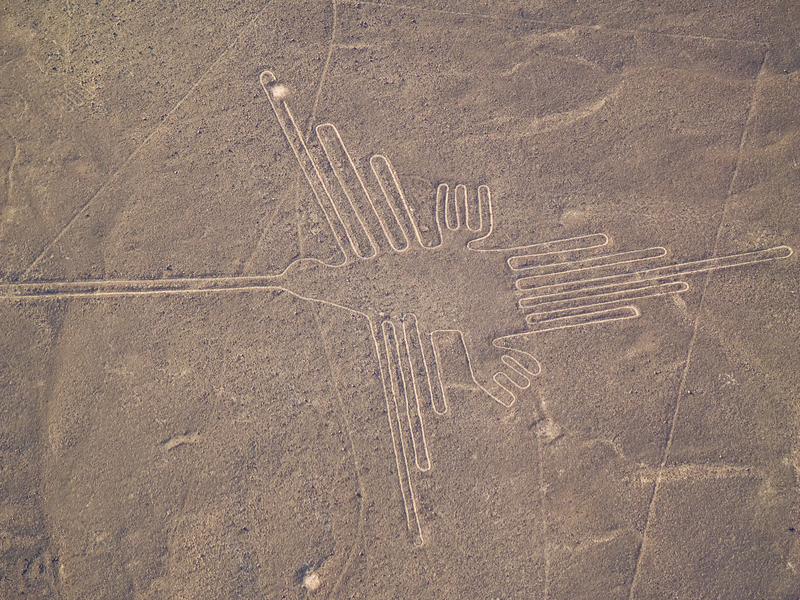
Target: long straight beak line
136 287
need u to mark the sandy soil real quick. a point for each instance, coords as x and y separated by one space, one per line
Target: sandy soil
244 354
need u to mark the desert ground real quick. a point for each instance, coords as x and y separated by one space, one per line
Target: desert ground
421 300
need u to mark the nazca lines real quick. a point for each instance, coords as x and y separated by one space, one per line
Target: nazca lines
388 274
592 290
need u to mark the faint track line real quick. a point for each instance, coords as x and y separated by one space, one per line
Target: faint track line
75 214
510 17
543 505
10 171
349 431
245 266
682 386
331 48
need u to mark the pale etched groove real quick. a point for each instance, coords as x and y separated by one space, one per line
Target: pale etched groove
575 269
461 210
394 390
512 378
455 208
687 268
179 440
9 195
410 397
484 201
588 318
697 472
562 24
555 250
326 68
346 196
544 310
133 287
438 396
395 199
277 94
530 370
786 251
422 375
556 121
561 257
417 382
530 302
133 154
516 378
350 181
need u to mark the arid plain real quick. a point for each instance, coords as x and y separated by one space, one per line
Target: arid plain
339 299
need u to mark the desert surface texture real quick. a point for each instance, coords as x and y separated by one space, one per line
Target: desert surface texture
400 300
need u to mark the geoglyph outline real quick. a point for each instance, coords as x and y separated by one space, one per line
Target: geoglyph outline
558 286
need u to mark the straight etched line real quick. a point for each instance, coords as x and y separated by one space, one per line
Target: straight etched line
412 369
433 374
349 430
685 374
10 171
325 69
247 264
124 287
545 527
510 17
386 212
591 318
394 198
356 205
578 305
133 154
687 268
566 269
393 389
553 250
534 303
565 258
276 93
700 472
